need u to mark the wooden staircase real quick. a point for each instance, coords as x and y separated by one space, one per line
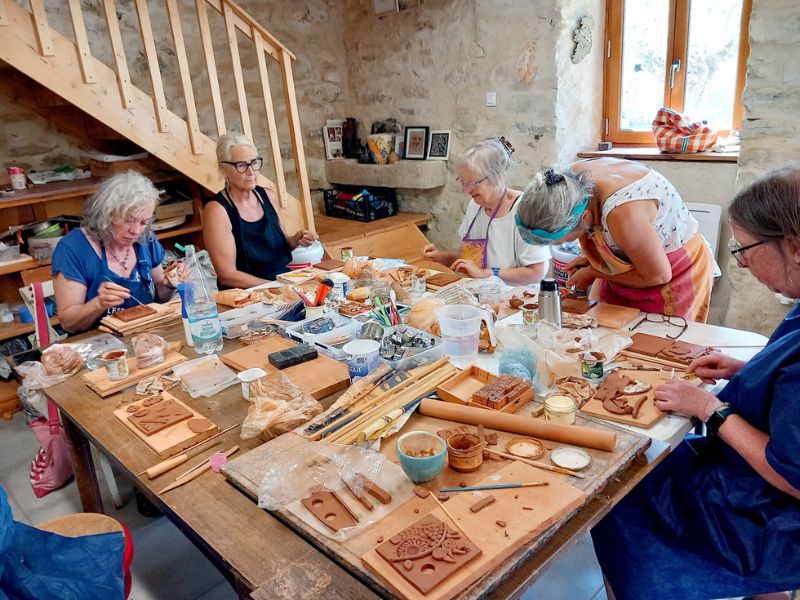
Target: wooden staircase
106 93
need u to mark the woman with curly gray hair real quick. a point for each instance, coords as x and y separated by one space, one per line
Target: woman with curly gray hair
114 260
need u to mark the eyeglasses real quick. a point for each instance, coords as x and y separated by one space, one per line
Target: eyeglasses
469 186
659 318
737 251
242 165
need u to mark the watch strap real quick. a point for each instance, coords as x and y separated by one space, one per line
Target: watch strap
717 418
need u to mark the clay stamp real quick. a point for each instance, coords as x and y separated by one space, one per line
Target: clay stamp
329 509
502 391
154 418
427 552
482 503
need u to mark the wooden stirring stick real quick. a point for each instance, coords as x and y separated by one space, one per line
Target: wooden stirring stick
534 463
194 475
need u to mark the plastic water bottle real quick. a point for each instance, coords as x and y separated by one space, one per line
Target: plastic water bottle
201 307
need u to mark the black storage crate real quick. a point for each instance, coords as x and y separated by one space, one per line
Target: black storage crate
374 203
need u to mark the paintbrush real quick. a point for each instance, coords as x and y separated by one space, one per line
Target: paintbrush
493 486
108 279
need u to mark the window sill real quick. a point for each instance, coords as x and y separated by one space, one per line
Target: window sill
653 153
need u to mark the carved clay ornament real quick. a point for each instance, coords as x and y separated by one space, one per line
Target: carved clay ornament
583 39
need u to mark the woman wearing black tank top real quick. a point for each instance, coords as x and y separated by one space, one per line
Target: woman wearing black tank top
241 229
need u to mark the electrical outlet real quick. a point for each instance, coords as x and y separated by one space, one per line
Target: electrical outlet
491 98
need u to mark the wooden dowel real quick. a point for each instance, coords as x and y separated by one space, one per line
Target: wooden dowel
568 434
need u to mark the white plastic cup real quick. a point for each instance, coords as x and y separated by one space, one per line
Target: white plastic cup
341 283
246 377
461 329
361 357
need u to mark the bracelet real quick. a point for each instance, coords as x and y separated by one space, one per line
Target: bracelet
495 271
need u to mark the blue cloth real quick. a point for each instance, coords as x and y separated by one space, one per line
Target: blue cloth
703 524
36 564
75 258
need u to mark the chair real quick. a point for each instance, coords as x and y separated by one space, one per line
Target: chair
709 217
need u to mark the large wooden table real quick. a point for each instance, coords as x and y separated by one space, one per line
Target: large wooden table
254 550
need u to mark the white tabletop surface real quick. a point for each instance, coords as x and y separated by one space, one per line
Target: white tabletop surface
672 428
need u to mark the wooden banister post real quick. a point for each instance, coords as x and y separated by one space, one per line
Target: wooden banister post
211 65
295 132
241 94
82 40
42 28
159 99
123 77
186 79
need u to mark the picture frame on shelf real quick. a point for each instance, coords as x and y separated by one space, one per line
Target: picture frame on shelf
332 136
400 144
439 145
416 142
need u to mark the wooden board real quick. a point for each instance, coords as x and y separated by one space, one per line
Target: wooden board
318 378
654 359
649 414
550 504
460 388
166 314
175 438
613 316
99 382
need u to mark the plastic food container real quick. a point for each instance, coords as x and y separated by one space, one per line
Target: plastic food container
415 357
116 362
248 376
306 256
304 331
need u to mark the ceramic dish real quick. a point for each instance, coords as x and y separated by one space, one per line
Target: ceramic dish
574 459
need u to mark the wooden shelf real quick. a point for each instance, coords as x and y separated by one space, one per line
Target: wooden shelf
22 265
10 330
410 174
653 153
169 233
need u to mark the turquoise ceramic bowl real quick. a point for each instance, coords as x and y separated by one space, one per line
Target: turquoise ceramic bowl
421 468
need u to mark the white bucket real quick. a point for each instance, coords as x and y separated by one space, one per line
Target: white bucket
361 356
341 283
305 256
562 256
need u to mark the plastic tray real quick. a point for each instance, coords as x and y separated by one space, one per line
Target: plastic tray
295 331
415 357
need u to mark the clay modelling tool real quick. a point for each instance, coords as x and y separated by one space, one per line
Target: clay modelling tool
493 486
108 279
539 465
173 462
194 473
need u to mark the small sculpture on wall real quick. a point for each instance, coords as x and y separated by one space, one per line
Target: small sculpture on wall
583 39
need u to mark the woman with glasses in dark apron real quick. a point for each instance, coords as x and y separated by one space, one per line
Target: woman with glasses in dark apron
242 230
490 242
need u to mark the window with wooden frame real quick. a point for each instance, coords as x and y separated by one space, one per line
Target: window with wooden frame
688 55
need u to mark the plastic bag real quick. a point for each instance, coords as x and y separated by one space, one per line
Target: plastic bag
149 349
278 406
423 314
39 564
61 359
517 356
205 376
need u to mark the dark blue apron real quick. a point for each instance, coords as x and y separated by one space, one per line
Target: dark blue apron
139 282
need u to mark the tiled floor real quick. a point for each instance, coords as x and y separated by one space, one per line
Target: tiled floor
167 566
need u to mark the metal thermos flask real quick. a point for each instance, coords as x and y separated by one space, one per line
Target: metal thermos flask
550 302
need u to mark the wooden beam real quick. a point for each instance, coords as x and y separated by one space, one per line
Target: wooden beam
211 66
123 77
186 77
42 28
82 40
296 134
150 52
3 13
241 94
741 71
272 127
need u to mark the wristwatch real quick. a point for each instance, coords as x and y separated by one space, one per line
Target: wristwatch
495 271
717 418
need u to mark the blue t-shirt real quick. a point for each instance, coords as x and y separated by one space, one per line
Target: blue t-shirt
77 260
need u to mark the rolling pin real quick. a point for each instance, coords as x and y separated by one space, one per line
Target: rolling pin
568 434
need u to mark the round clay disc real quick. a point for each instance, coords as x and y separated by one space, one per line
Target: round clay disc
525 447
199 425
151 400
132 408
570 458
141 412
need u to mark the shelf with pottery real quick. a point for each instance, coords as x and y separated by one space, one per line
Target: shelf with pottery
409 174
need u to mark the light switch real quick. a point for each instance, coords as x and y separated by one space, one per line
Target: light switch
491 98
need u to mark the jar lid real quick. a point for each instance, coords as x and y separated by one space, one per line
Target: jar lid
570 458
16 170
560 403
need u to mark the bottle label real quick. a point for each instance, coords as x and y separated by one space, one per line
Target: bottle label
205 329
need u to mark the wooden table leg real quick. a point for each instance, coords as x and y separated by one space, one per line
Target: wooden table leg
83 467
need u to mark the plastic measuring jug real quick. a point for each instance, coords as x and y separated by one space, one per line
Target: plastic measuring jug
461 329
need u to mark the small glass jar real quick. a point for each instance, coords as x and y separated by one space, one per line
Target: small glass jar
560 409
346 253
489 293
418 284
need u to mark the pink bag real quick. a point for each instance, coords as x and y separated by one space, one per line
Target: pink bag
51 467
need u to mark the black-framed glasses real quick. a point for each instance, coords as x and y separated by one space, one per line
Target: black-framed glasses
675 320
737 251
242 165
469 186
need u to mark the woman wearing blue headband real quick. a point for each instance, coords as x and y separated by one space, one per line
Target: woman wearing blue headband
490 242
638 238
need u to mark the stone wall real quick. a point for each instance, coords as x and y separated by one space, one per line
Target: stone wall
770 137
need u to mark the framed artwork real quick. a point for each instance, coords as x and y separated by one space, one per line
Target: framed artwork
332 136
439 145
399 144
416 141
